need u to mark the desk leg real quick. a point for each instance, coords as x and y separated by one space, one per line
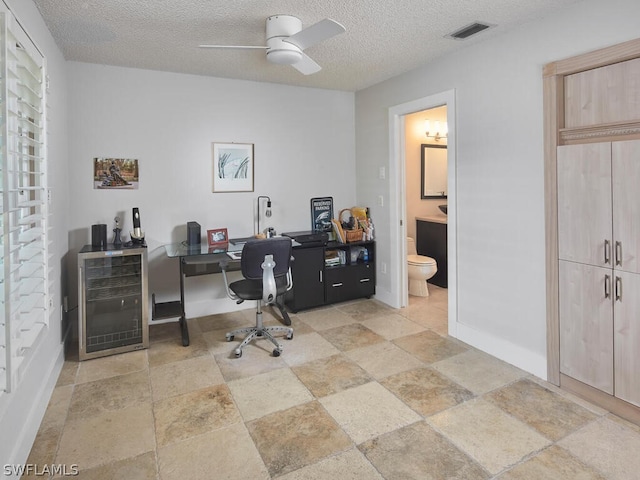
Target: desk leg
184 328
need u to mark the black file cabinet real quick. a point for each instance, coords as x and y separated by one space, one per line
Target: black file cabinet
318 280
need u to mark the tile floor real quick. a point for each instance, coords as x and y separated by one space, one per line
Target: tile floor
362 391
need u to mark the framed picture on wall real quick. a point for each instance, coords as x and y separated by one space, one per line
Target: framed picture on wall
115 173
217 237
232 167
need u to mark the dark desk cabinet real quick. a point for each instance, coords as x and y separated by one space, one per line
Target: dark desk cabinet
317 282
307 270
431 241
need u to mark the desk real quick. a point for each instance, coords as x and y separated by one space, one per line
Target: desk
194 260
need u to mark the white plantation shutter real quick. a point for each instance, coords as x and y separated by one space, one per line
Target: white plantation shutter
23 231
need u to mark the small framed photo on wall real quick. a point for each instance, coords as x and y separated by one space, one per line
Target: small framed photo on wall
217 237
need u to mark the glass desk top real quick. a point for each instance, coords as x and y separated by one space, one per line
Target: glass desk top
181 249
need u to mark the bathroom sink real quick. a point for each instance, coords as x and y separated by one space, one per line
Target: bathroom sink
443 208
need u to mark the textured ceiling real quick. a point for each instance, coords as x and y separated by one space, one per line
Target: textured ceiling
384 38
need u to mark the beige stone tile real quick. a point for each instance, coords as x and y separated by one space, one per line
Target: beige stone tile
608 446
310 435
351 336
299 327
325 318
392 326
331 375
351 465
425 390
113 393
478 372
58 407
169 351
383 359
161 332
430 347
367 411
142 467
256 359
184 376
361 310
193 413
553 463
305 348
267 393
68 373
485 432
549 413
223 321
226 453
107 437
570 396
418 452
217 343
111 366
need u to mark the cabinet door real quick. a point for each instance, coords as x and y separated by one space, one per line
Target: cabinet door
584 203
308 286
586 324
626 205
431 241
627 336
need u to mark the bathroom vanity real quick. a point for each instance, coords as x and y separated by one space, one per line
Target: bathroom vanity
431 241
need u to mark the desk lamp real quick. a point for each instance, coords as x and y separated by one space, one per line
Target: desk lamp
267 212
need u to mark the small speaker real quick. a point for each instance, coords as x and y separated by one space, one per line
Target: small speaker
99 235
193 233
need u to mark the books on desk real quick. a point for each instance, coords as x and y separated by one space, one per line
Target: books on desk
235 255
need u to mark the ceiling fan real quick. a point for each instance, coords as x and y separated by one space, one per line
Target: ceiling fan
286 41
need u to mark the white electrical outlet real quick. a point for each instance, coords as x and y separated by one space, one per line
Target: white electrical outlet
382 173
380 201
383 267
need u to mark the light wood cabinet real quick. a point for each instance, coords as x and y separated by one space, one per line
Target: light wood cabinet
599 269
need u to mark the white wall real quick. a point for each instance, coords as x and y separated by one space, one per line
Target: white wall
304 147
21 411
500 203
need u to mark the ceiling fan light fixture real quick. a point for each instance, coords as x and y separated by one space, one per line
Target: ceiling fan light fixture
284 57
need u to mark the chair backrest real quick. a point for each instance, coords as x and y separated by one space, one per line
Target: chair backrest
254 251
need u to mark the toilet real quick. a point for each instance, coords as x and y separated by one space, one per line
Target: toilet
420 269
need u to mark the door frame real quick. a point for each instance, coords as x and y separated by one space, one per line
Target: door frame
398 204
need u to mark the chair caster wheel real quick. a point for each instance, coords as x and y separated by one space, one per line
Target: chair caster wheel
289 336
230 338
276 352
238 353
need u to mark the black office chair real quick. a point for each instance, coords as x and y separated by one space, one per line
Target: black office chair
265 266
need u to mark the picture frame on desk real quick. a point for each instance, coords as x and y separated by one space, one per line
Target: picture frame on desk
233 166
218 238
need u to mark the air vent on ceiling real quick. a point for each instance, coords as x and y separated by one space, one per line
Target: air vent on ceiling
469 30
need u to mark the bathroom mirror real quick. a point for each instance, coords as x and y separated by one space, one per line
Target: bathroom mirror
434 171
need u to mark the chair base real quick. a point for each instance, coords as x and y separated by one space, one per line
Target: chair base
259 331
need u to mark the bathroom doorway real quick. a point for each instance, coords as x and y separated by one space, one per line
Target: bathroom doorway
408 131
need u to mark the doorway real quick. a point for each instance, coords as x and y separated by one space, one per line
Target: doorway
398 116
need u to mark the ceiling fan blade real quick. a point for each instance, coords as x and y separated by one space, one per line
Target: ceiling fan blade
316 33
246 47
306 65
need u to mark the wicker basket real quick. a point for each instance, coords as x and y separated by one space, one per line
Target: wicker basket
353 235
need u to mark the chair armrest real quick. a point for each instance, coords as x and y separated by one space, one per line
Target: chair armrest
224 264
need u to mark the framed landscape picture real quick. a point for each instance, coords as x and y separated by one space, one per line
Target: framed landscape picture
232 167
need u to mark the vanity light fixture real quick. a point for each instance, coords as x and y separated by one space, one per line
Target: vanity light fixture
440 128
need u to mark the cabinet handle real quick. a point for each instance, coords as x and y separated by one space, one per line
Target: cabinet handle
320 276
364 280
618 289
337 284
618 253
607 286
607 251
